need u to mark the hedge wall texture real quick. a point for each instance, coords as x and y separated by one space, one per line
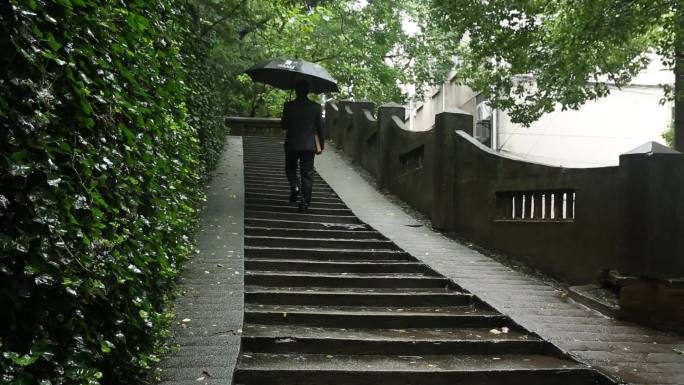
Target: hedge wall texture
101 171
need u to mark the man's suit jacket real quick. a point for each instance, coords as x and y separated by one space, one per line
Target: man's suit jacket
302 120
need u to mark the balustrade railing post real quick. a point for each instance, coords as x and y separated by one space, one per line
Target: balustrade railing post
547 206
386 112
444 166
653 209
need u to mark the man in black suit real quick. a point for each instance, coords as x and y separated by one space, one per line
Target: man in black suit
303 122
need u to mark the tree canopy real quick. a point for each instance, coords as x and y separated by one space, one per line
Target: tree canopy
362 44
528 56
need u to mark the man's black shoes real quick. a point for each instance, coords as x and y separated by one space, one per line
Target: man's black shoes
293 196
303 207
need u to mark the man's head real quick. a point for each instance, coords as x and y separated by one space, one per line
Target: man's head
302 88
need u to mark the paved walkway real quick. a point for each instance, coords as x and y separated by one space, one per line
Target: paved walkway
635 354
208 320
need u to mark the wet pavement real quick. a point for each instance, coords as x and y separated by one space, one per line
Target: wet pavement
208 314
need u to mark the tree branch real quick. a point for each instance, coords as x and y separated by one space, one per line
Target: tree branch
224 18
247 30
324 58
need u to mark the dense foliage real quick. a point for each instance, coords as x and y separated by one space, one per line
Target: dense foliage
363 44
529 56
669 135
110 115
100 170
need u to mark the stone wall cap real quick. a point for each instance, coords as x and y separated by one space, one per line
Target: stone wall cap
455 110
391 105
652 148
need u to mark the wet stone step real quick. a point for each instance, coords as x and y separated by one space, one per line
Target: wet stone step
252 180
312 233
379 290
371 310
284 196
387 372
391 320
357 317
263 192
281 182
327 254
318 195
284 200
317 243
404 363
278 175
278 178
268 171
318 190
387 334
405 301
285 191
318 186
312 345
296 216
305 225
343 280
336 267
287 207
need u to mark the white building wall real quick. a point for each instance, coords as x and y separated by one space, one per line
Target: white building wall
593 136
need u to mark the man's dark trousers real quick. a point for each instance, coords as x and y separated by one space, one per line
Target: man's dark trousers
306 169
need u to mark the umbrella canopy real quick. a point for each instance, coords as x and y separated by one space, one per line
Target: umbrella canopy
285 73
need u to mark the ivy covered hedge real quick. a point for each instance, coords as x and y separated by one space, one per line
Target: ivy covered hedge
101 167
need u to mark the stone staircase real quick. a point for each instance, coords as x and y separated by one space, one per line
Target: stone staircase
329 300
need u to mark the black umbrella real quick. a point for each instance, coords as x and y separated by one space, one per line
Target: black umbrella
284 74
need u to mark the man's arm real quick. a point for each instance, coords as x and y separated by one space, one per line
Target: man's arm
285 120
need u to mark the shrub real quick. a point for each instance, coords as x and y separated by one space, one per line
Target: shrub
669 135
100 171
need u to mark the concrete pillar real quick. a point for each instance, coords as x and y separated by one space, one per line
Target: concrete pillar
331 119
446 124
352 144
386 114
653 195
344 121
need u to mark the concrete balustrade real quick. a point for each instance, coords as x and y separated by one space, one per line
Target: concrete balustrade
573 223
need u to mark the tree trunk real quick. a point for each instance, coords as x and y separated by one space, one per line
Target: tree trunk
679 79
679 106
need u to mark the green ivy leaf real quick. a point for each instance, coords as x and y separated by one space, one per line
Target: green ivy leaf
21 360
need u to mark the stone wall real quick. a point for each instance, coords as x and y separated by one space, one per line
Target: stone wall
240 126
573 223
